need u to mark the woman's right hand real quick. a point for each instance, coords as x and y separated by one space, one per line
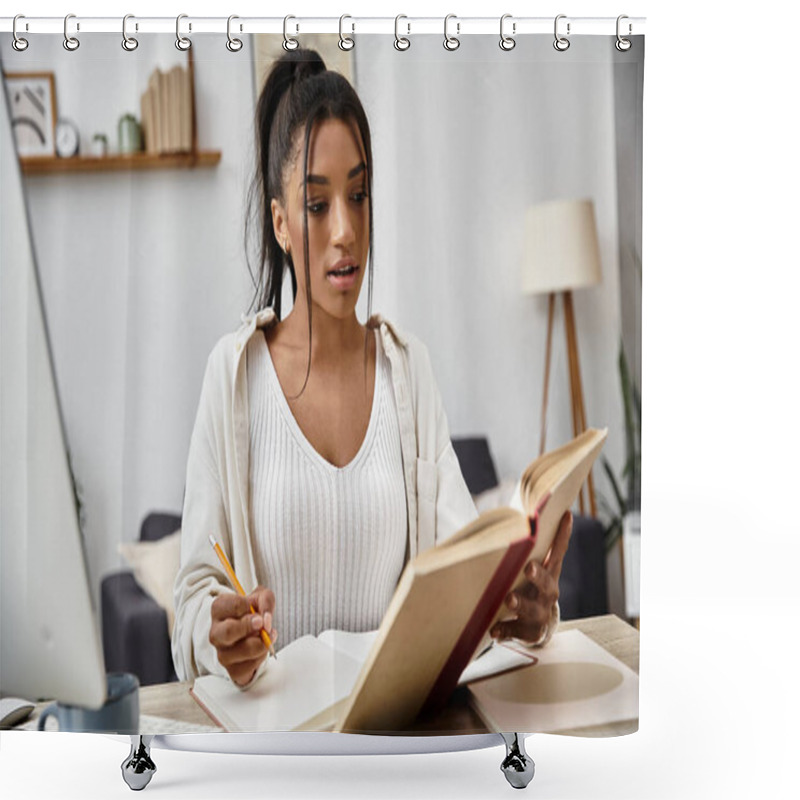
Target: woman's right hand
236 631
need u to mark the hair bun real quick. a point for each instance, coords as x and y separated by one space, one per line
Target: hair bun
290 69
303 63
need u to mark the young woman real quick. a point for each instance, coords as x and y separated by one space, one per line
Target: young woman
320 458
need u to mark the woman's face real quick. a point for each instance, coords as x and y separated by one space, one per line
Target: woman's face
338 217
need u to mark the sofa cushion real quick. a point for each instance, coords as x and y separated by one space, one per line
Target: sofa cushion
135 635
477 465
155 565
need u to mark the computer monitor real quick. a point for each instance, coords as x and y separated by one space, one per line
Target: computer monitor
50 645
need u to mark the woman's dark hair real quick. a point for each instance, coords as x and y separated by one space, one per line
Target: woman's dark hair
298 93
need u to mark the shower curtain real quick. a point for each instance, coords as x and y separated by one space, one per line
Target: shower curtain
137 179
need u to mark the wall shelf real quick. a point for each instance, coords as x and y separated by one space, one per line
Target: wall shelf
134 161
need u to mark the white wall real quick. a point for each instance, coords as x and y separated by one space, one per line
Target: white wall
142 272
464 142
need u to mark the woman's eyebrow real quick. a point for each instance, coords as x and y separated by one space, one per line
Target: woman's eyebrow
323 180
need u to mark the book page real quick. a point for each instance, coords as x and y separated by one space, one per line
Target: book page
355 645
499 658
307 677
551 483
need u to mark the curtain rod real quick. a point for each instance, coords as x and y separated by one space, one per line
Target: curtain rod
461 26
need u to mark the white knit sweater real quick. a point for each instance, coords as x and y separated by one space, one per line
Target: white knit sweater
329 541
218 485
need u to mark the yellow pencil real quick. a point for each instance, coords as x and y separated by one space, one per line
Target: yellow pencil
238 586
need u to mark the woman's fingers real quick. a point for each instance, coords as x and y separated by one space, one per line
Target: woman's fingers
535 599
229 605
262 600
250 649
235 631
555 557
242 672
525 630
542 585
232 620
532 603
227 632
533 606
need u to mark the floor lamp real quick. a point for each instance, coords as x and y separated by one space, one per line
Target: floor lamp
562 254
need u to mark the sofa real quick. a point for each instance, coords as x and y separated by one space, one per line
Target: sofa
136 628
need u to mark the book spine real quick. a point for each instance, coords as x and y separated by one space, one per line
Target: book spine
154 117
163 109
489 604
208 711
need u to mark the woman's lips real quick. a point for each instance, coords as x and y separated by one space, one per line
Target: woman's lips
343 276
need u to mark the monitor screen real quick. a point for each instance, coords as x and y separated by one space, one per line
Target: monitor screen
49 637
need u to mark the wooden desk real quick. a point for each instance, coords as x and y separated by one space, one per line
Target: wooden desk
173 701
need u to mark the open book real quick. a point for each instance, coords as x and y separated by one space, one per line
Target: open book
447 599
305 689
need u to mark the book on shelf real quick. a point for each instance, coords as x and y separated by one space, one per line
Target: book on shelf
148 114
435 629
186 112
162 113
166 111
180 111
175 108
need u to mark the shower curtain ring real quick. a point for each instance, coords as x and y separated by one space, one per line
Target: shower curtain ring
182 42
400 42
70 42
346 42
233 44
561 43
451 42
289 42
18 43
507 42
622 44
129 43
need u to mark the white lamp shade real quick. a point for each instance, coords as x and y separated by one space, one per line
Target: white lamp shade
561 249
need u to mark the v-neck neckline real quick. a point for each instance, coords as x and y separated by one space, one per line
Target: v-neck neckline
298 432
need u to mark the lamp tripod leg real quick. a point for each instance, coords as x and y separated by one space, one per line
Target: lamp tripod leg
576 391
551 306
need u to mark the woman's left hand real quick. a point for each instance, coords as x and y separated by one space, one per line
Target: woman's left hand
534 601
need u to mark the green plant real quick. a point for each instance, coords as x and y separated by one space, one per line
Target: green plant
632 471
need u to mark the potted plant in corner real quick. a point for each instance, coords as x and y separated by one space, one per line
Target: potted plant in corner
622 531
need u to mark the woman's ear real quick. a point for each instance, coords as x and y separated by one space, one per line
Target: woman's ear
280 225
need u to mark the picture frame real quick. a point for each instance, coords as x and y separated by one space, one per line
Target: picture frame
32 105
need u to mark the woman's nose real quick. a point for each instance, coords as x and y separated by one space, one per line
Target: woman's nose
343 230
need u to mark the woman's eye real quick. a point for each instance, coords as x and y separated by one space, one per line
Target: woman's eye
316 208
360 196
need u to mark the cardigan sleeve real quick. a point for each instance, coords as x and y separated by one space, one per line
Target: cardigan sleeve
200 578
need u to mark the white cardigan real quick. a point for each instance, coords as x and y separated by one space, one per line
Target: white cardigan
217 480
